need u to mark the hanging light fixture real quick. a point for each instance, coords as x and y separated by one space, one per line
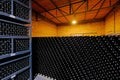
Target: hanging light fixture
74 22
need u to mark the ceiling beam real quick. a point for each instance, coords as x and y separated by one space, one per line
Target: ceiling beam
110 2
86 8
66 5
96 4
58 9
91 10
70 7
86 5
78 7
46 10
64 12
115 5
99 8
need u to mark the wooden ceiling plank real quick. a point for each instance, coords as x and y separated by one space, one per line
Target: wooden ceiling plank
64 12
78 8
48 15
63 20
45 10
89 10
103 12
106 3
83 9
96 4
57 22
114 6
110 2
58 9
99 8
79 17
114 2
65 5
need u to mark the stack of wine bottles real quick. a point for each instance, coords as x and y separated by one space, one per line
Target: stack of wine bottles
15 39
10 29
5 46
18 9
5 6
77 58
21 11
21 44
23 76
13 66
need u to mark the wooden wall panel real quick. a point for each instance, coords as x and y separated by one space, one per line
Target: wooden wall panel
112 22
96 28
42 28
117 20
109 24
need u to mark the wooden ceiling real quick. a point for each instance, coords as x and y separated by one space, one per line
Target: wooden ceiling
64 11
